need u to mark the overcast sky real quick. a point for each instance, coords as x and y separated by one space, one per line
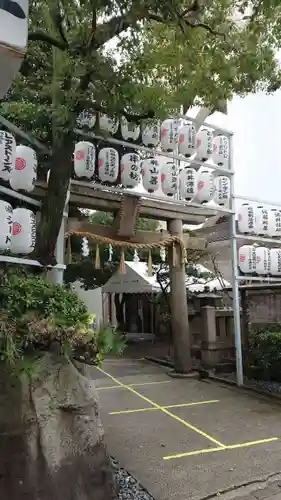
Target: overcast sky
256 122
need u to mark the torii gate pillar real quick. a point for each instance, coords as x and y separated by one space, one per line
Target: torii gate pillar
178 302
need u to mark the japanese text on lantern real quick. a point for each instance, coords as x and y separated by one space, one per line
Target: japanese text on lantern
134 174
265 220
154 172
223 190
251 217
190 178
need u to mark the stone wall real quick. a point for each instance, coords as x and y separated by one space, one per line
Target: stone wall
211 323
264 306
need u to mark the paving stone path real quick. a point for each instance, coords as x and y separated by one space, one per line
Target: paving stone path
270 492
188 439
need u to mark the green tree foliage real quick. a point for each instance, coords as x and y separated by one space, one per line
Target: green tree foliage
141 58
36 316
264 354
105 218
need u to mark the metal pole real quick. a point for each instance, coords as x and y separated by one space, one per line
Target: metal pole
56 275
59 253
235 286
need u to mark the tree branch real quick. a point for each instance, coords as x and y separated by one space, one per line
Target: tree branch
58 20
194 9
131 117
188 17
40 36
115 26
94 16
101 34
204 26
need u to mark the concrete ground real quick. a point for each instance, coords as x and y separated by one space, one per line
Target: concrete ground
189 439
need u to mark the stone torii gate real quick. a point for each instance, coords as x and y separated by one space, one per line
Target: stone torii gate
126 209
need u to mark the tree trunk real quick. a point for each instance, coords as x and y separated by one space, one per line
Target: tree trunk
53 204
51 436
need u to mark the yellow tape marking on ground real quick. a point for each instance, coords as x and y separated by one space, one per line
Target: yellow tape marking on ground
167 412
165 407
132 411
132 385
108 387
149 383
251 443
225 448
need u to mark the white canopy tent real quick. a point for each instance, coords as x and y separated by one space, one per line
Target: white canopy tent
136 280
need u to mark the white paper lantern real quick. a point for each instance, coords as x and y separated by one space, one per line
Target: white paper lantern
169 134
13 40
222 190
150 170
108 124
24 174
247 259
23 231
130 168
86 118
246 219
261 221
84 159
274 223
204 144
275 262
7 154
187 139
262 260
151 134
188 183
108 164
205 186
130 131
6 220
220 154
169 178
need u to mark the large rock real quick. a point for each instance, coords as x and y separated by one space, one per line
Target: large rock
51 437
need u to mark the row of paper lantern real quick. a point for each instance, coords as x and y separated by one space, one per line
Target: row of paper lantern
259 260
262 221
173 136
18 164
17 229
187 181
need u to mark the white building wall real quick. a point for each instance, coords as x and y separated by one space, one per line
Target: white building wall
92 300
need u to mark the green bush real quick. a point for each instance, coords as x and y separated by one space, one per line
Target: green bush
264 358
36 316
21 294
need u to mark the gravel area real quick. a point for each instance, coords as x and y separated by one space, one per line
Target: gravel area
128 487
265 385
